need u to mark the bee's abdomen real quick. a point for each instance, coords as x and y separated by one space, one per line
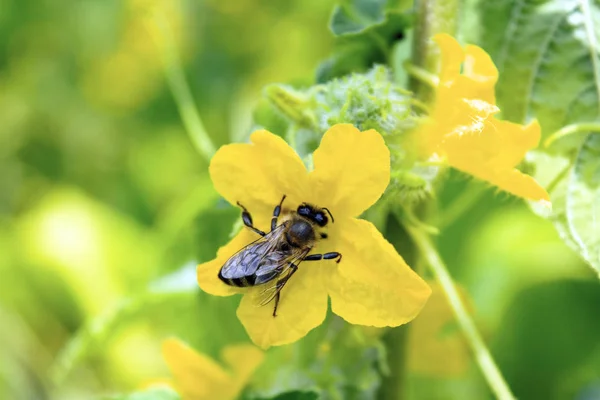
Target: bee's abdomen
242 281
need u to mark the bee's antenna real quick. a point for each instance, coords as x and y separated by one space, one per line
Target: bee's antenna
329 212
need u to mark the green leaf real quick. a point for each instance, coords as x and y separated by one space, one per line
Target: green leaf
358 52
547 57
354 16
549 168
160 393
583 201
337 360
293 395
546 54
549 316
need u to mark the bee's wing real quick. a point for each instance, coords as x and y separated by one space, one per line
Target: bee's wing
248 260
264 294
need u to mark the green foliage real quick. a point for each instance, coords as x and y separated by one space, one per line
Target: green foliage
357 51
293 395
106 207
547 61
583 201
547 56
545 316
336 360
354 16
160 393
368 100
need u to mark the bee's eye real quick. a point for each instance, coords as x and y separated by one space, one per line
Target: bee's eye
304 211
320 218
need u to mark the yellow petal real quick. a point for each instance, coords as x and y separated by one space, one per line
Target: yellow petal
434 348
207 273
462 128
196 376
243 360
519 184
302 307
481 71
373 285
259 174
452 55
352 169
492 155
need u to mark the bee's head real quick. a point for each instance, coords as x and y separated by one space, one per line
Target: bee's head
305 210
314 214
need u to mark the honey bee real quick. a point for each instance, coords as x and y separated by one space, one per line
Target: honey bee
272 259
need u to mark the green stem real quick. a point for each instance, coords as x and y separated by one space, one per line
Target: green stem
461 204
422 75
411 218
488 367
431 17
394 384
559 177
571 130
180 89
94 334
419 105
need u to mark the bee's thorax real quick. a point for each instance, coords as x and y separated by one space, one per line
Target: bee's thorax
300 233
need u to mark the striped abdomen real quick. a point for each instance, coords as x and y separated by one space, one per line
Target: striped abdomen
255 264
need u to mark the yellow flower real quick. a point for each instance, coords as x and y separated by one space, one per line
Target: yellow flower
463 131
372 285
198 377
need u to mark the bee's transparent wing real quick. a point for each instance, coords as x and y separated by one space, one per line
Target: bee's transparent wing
246 261
265 293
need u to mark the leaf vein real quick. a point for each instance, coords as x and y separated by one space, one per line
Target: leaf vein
513 24
569 108
538 62
593 47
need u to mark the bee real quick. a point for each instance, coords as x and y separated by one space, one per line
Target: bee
273 258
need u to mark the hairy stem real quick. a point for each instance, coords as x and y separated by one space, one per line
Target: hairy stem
488 367
431 17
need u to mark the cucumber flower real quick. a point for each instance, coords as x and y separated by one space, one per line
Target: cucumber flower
198 377
463 131
370 285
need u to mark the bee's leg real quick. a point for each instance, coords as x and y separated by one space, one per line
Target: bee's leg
326 256
276 213
277 297
247 218
281 283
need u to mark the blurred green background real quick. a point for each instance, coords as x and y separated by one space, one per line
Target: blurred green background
106 207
